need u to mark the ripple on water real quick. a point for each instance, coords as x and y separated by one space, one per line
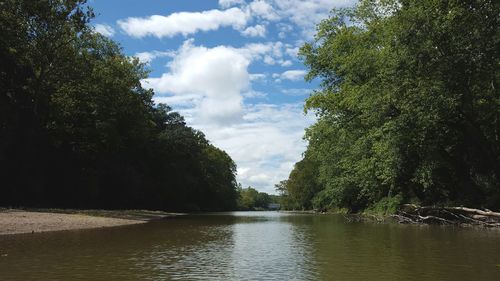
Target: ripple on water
254 246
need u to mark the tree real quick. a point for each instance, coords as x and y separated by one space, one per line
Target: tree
251 199
78 130
302 185
408 104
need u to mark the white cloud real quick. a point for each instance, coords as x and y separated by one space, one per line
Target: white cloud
264 10
258 30
184 23
254 94
303 14
257 76
283 29
292 75
269 60
104 29
297 92
229 3
306 14
272 61
286 63
217 75
208 86
147 57
269 52
292 51
265 145
179 101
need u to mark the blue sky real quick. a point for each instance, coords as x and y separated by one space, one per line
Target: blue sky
230 67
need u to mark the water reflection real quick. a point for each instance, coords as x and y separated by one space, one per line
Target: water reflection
254 246
235 246
268 249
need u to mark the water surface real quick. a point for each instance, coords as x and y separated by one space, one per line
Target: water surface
255 246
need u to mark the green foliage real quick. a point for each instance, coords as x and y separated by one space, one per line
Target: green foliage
78 130
386 206
251 199
408 106
284 199
301 186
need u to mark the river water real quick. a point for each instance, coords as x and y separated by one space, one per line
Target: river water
255 246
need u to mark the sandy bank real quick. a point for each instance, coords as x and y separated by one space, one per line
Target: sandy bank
17 221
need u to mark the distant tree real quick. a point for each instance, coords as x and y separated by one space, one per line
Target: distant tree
284 198
262 200
251 199
302 184
248 198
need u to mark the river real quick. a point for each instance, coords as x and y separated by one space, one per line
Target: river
255 246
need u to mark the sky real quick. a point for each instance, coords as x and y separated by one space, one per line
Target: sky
230 67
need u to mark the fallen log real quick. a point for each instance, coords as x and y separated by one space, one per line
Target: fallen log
487 213
410 213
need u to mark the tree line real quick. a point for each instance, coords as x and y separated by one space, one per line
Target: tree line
250 199
77 129
408 108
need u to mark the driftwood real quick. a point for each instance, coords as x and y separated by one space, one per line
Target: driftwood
412 214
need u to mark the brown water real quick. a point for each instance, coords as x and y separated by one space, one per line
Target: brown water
255 246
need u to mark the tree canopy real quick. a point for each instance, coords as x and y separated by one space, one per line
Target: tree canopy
408 108
251 199
78 130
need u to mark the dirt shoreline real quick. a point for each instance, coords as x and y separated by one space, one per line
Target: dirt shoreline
13 221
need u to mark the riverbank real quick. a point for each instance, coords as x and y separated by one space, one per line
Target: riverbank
413 214
424 215
14 221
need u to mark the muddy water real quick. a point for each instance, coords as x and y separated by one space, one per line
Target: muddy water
254 246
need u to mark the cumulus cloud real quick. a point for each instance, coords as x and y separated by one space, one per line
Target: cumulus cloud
268 52
271 53
303 15
286 63
258 76
284 29
147 57
292 75
254 95
258 30
217 75
184 23
183 102
306 14
208 86
104 29
292 51
265 144
264 10
297 91
212 86
229 3
258 51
